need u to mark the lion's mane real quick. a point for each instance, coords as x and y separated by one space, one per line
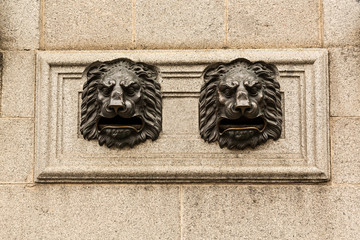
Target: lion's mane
209 95
151 97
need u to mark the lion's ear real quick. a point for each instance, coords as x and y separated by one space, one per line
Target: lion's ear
89 70
148 67
271 70
151 71
213 71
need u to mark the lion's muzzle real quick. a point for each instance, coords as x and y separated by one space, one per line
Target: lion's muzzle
117 99
242 123
133 123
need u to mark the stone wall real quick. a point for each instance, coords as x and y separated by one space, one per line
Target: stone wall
31 210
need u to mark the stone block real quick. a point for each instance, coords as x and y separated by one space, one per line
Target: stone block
341 23
18 80
271 212
273 24
89 212
345 144
344 81
19 28
83 24
179 24
180 155
16 148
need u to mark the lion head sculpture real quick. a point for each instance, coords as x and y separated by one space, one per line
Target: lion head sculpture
121 103
240 104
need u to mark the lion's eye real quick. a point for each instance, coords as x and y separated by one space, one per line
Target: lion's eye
130 91
105 91
253 90
228 92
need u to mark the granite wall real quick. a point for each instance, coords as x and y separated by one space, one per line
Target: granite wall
29 210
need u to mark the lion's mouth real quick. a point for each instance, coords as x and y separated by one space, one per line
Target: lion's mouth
242 123
117 122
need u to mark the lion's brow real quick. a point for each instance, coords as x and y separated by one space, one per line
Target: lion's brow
253 83
228 85
128 83
103 84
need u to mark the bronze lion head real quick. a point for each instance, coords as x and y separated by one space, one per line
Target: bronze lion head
121 103
240 104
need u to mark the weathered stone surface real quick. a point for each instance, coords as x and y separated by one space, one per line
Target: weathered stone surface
341 22
271 212
273 24
18 80
179 24
344 81
19 28
89 212
301 154
345 143
16 150
83 24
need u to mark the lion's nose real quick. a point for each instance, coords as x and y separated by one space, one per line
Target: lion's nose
243 107
117 105
242 102
117 101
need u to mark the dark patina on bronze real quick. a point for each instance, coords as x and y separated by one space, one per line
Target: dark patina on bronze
240 104
121 103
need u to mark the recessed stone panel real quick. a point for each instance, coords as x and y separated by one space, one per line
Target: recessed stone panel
179 154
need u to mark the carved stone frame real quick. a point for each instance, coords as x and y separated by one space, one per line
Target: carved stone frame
310 162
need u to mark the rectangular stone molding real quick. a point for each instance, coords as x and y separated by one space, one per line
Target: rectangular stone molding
180 155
